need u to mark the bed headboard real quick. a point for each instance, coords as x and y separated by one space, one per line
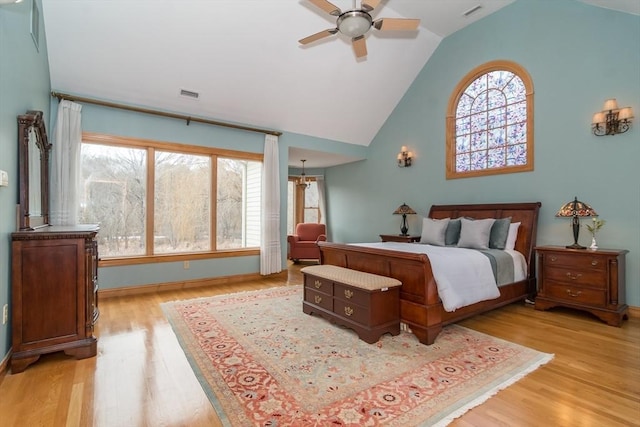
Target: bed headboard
525 213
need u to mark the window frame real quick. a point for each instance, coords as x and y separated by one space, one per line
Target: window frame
151 146
454 99
299 202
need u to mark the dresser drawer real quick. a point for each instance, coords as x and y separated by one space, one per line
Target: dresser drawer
351 311
574 294
583 262
577 277
351 295
320 284
318 298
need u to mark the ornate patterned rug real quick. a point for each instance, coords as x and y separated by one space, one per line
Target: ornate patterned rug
263 362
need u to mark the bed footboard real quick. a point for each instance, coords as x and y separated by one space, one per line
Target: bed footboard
420 306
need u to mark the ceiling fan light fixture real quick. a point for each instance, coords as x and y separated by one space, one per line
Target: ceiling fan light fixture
354 23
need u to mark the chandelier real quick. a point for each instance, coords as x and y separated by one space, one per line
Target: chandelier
303 184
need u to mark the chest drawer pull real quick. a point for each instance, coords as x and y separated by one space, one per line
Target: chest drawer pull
571 294
348 311
594 262
318 299
574 277
318 284
553 259
348 293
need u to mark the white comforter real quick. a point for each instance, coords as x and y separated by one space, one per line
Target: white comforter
463 276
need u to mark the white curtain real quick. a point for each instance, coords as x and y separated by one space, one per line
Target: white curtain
270 253
65 164
321 199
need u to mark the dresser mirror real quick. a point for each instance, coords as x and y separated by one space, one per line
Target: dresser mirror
33 165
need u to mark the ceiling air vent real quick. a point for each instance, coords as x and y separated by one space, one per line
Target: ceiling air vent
472 10
189 93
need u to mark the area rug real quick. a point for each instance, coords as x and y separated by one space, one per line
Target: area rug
263 362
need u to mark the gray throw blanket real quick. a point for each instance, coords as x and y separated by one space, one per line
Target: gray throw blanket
501 264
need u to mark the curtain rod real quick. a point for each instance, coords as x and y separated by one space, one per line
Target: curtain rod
188 119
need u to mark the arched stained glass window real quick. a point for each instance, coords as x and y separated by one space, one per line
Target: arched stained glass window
490 122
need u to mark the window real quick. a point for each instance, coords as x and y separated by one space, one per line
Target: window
490 122
311 203
131 186
303 205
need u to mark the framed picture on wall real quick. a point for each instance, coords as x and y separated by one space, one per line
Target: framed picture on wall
35 23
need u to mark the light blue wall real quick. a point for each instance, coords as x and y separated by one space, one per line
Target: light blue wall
578 56
24 85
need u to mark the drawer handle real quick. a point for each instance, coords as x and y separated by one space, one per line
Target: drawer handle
348 311
348 293
594 262
553 259
571 294
318 284
318 299
574 277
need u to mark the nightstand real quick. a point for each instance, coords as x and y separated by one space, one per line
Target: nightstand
399 238
583 279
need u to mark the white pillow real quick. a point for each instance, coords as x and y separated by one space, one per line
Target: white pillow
512 236
475 234
433 231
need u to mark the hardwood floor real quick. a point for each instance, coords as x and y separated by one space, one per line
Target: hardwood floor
140 376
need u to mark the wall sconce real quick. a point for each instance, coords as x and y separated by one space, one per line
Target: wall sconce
611 120
302 182
404 157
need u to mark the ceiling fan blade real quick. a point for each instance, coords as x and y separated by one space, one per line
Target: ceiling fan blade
369 5
318 36
359 46
396 24
330 8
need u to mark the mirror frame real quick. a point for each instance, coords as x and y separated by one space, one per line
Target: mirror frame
33 119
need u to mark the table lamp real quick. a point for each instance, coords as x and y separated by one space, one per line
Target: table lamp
404 210
575 209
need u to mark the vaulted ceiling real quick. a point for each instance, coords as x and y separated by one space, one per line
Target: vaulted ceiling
243 58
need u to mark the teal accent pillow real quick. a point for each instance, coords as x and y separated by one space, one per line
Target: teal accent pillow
433 231
475 234
452 235
499 233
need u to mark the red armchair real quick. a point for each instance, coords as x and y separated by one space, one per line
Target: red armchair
304 243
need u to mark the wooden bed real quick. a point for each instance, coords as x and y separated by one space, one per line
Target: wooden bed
420 306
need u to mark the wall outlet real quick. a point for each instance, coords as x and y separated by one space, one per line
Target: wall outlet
5 314
186 265
4 179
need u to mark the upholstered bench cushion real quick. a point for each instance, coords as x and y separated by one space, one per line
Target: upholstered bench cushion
357 279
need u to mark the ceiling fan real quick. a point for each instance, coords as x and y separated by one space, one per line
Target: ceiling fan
356 23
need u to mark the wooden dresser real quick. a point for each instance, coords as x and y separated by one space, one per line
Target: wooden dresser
54 293
588 280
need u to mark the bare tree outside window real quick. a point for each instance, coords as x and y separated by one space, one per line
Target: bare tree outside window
113 183
182 210
238 203
116 196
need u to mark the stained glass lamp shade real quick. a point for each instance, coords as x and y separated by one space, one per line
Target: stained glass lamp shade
404 210
576 209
